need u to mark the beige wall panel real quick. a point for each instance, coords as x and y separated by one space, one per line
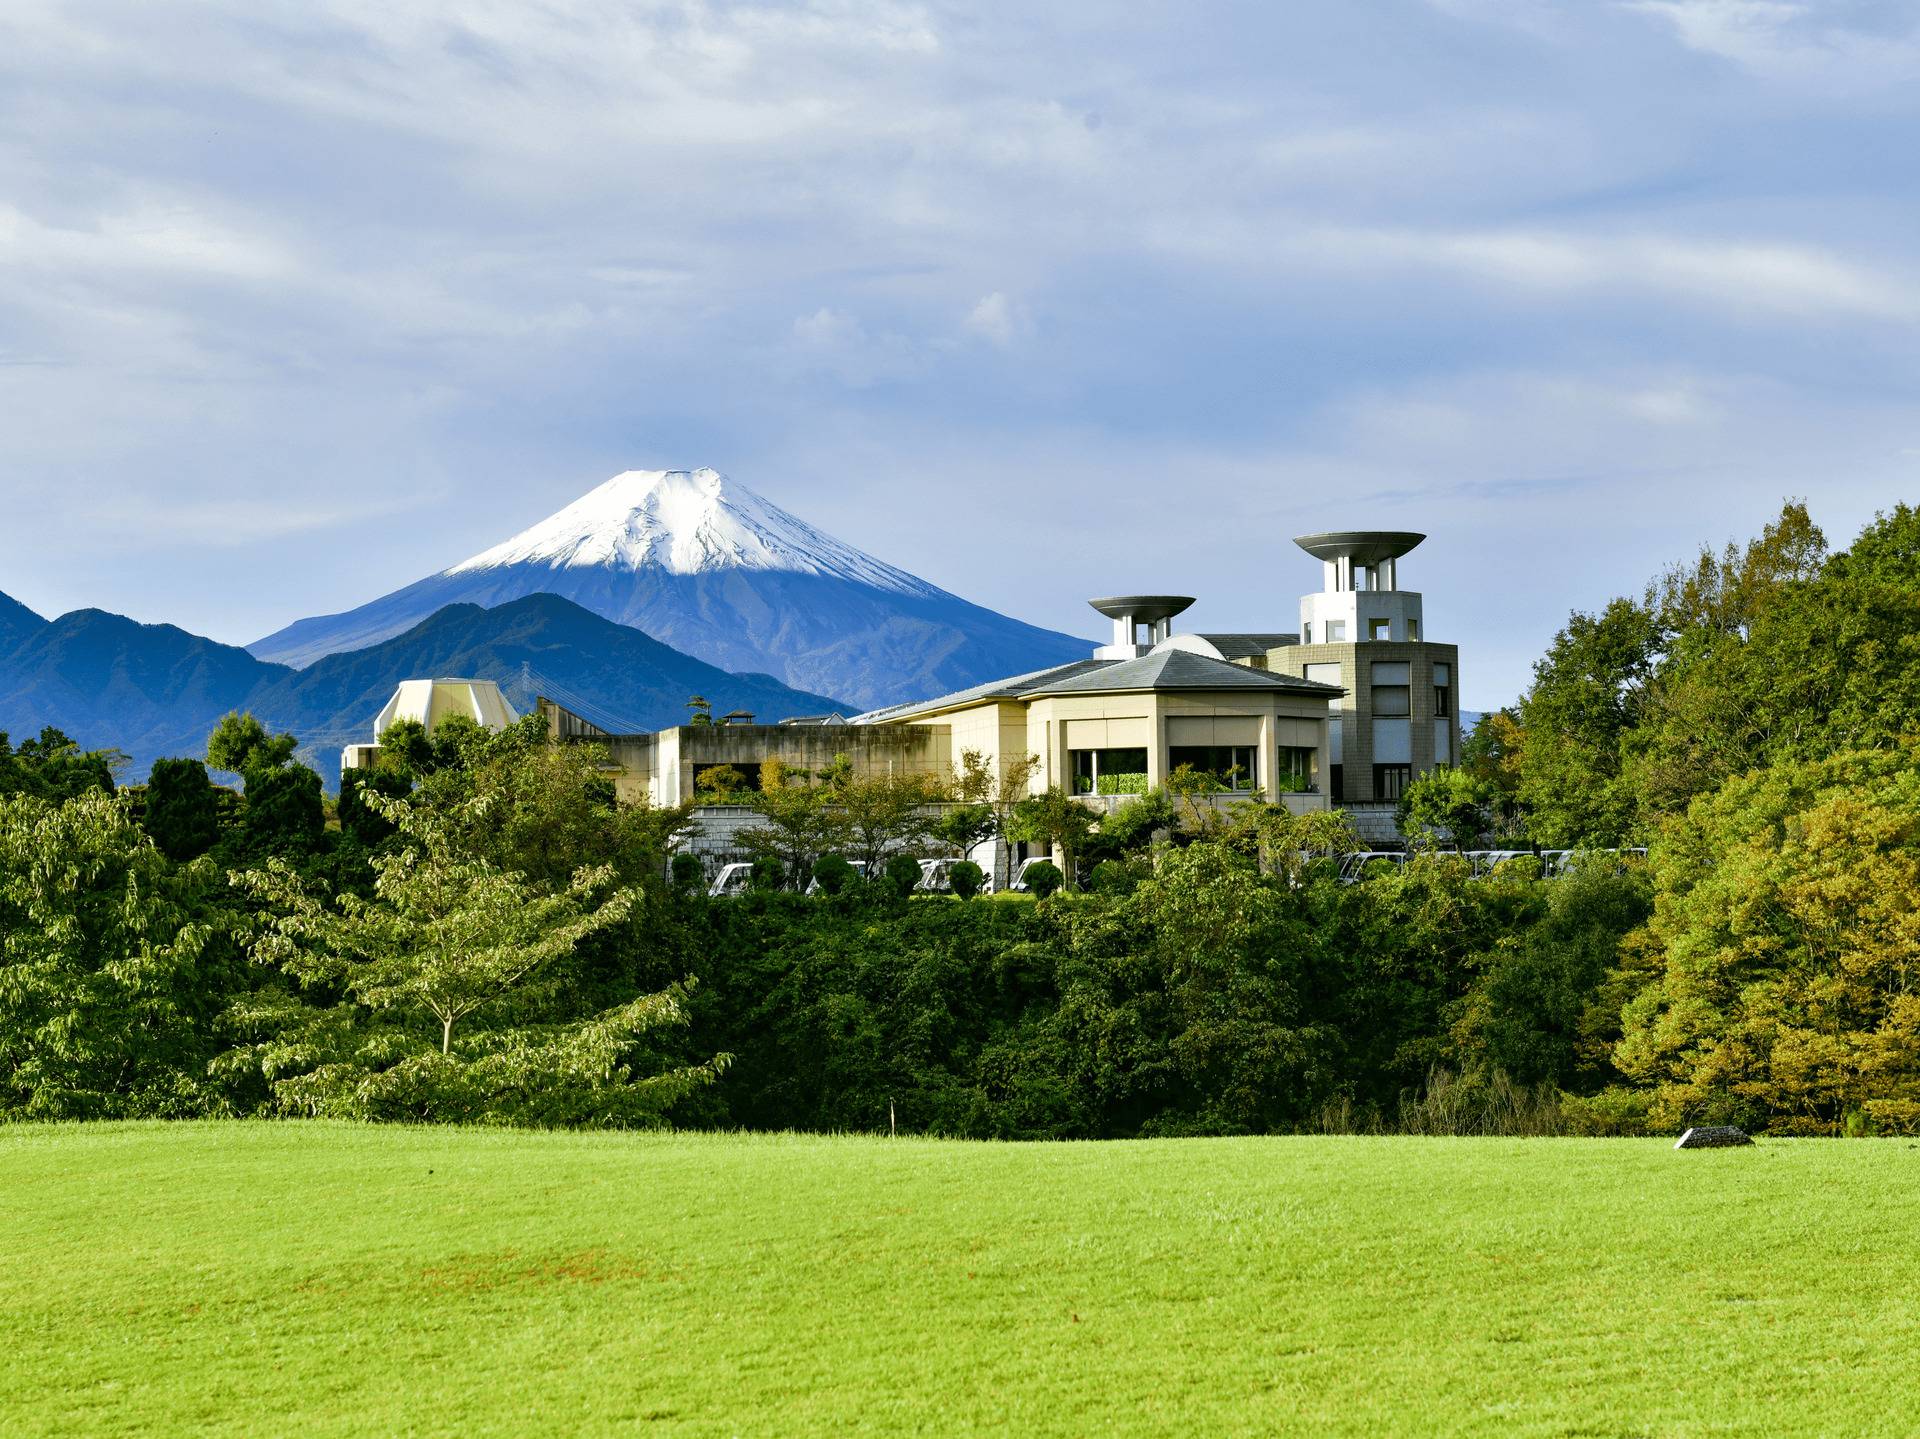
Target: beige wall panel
1213 729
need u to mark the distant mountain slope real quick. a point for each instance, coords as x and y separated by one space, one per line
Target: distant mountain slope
154 690
714 570
109 681
541 644
16 623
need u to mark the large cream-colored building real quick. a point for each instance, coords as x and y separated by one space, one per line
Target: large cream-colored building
1346 710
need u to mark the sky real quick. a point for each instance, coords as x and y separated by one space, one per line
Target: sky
301 303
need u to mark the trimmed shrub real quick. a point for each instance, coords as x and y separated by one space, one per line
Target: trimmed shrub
688 873
1044 878
767 874
832 873
1112 877
902 874
966 879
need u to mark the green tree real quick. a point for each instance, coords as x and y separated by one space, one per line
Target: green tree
53 767
182 814
441 976
1784 952
882 813
1055 819
112 962
1000 789
1588 694
240 742
799 822
1450 805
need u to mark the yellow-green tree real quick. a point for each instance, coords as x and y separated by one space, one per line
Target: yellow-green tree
1784 952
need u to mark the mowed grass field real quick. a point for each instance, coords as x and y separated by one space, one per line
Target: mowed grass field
263 1279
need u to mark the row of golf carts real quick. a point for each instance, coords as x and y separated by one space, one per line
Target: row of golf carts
936 877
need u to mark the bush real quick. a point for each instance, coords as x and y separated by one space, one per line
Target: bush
902 874
767 874
966 878
1110 876
832 873
689 875
1044 878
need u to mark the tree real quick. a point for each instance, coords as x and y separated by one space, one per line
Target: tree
1055 819
1783 956
240 742
720 784
999 788
798 822
53 767
1588 694
883 812
182 815
699 711
111 962
442 975
1490 752
1450 805
1189 787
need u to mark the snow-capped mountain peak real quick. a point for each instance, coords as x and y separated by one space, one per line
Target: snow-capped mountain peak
686 522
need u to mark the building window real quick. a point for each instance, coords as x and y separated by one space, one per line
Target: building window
1392 695
1299 771
1232 765
1109 771
1391 700
1306 633
1443 689
1336 791
1379 629
1336 632
1413 629
1390 781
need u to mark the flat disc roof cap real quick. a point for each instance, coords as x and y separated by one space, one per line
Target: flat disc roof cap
1147 609
1363 547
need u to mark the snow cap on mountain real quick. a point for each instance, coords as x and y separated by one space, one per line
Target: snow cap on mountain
686 522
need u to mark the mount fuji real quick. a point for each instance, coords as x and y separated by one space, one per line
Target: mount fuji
702 563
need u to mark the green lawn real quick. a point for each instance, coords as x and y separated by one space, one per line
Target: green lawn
321 1279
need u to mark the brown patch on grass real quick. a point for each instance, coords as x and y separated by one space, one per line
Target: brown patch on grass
506 1269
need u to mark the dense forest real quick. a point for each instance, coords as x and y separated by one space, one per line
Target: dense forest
476 931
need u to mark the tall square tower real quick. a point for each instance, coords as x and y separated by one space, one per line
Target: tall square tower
1400 716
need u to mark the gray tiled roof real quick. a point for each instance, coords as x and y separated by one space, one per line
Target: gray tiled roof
1178 670
1160 670
1010 688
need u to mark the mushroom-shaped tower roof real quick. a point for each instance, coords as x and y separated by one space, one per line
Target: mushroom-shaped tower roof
1363 547
1145 609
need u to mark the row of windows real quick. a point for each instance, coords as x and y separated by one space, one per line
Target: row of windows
1335 631
1234 767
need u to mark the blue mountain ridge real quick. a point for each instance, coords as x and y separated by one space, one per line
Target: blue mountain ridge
155 690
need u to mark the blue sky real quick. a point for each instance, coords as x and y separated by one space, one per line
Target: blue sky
300 303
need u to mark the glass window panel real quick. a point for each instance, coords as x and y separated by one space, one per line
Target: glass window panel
1232 766
1392 700
1392 672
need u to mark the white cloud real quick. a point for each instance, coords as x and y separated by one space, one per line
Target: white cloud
1824 44
997 320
